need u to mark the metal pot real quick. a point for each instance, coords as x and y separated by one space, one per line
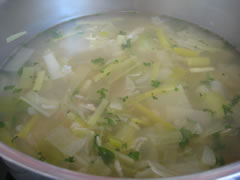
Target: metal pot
219 16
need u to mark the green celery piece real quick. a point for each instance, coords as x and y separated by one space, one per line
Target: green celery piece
39 81
97 114
26 79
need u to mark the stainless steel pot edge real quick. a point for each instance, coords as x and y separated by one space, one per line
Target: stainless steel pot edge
53 172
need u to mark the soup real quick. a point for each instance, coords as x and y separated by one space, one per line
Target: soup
124 95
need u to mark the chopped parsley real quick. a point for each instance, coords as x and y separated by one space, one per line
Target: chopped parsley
134 155
98 61
9 87
41 157
109 121
208 80
106 155
154 97
235 100
227 109
209 111
155 83
108 73
70 159
128 44
176 89
2 124
147 64
14 139
122 33
116 61
186 136
220 161
102 93
124 99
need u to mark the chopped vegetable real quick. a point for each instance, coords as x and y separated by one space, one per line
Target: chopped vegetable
106 155
128 44
41 157
102 92
98 61
9 87
70 159
2 124
26 79
28 127
186 52
15 36
155 83
124 99
208 156
134 155
96 115
198 61
39 81
186 136
53 66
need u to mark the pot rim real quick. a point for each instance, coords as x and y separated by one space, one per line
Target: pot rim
42 168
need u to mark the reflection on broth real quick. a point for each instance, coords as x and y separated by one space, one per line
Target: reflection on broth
124 95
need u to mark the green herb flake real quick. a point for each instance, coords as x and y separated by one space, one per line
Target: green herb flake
134 155
41 157
102 93
227 109
106 155
235 100
2 124
9 87
154 97
124 99
98 61
155 83
220 161
186 136
128 44
116 61
108 73
176 89
109 121
209 111
148 64
122 33
70 159
217 143
14 139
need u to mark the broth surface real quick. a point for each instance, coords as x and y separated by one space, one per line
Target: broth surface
124 95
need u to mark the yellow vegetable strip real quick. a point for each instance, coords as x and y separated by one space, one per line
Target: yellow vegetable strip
112 67
163 39
186 52
124 72
76 118
140 97
198 61
39 81
153 116
28 127
96 115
